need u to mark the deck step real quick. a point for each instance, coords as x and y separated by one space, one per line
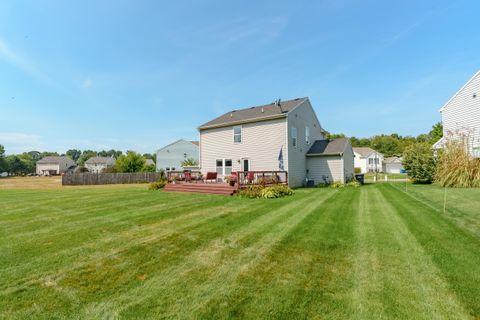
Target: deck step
201 188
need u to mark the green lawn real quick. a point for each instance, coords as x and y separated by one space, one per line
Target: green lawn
373 252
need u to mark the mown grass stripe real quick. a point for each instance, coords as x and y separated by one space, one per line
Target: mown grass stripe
454 251
218 260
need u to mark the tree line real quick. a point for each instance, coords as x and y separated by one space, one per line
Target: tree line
26 162
394 144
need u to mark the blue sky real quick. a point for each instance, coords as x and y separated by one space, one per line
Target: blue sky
140 74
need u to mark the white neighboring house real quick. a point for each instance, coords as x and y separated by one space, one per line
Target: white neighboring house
393 165
99 164
461 115
170 157
368 160
280 136
53 165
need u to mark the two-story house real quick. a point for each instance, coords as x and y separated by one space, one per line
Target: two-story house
461 116
280 136
99 164
368 160
53 165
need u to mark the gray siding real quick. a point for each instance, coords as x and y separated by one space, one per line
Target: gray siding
462 113
348 160
172 155
261 144
299 118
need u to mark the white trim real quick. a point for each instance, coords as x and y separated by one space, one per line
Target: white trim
438 144
461 89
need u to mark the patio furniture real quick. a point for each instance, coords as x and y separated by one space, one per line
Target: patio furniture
211 176
188 176
250 176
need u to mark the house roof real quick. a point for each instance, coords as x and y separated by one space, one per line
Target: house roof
364 151
328 147
179 140
149 162
53 159
458 92
100 160
392 160
255 113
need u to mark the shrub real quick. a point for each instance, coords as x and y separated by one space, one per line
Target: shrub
337 185
157 185
419 162
456 167
277 191
258 191
254 191
354 183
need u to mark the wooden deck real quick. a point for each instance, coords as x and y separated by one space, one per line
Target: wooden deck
212 188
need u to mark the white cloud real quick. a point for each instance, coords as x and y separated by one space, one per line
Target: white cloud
22 63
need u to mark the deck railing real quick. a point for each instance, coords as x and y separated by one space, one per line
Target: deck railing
240 179
185 176
264 178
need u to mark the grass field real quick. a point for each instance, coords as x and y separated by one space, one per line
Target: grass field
373 252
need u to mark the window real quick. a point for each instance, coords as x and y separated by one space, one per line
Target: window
228 166
294 136
307 135
370 161
237 134
223 166
219 166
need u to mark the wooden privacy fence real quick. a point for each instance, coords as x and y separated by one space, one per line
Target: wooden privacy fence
75 179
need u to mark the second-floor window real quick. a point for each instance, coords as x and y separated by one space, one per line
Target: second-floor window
307 135
294 136
237 134
373 161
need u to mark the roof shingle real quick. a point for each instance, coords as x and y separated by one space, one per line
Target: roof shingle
257 113
328 147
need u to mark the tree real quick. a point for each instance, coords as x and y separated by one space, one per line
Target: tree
131 162
74 154
3 162
17 165
149 168
86 154
419 162
389 145
150 156
436 133
189 162
110 153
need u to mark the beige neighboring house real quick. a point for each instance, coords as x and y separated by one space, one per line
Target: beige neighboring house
461 116
368 160
280 136
99 164
53 165
393 165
